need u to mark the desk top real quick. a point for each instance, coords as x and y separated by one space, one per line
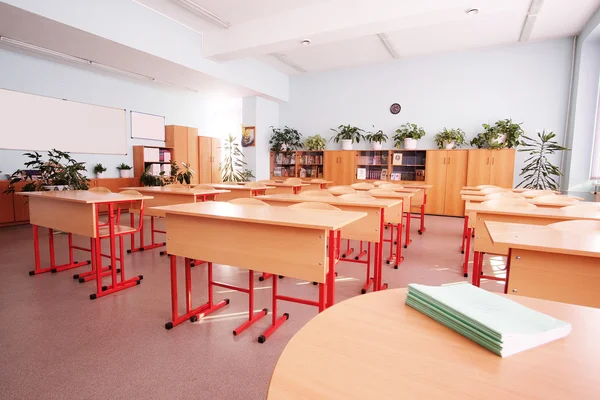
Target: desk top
274 183
282 216
548 202
416 185
543 238
182 191
375 203
375 347
233 186
84 196
306 182
558 213
402 190
390 195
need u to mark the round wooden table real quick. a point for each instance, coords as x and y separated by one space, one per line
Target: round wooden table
376 347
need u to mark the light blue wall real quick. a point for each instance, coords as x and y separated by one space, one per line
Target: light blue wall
584 101
261 113
527 82
48 78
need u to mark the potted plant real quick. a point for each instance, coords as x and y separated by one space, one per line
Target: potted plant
124 170
233 164
99 170
184 174
315 143
450 138
60 172
347 134
408 134
540 173
147 179
286 139
503 134
376 139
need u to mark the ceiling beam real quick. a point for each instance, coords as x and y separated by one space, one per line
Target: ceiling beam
534 9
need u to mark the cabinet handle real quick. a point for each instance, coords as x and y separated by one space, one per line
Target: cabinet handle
487 161
492 160
444 160
448 160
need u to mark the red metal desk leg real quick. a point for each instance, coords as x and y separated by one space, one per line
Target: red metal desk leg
331 270
422 228
399 256
465 234
275 322
252 317
408 241
467 254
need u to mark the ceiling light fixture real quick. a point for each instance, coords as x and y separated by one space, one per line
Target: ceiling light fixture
473 11
534 10
305 42
387 42
66 57
284 59
202 12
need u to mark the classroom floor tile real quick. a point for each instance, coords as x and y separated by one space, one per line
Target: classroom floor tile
58 344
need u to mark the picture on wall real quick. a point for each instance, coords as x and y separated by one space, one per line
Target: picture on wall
248 136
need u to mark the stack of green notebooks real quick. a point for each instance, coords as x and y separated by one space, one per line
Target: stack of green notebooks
500 325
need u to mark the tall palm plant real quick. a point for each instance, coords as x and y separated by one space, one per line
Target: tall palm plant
539 173
233 161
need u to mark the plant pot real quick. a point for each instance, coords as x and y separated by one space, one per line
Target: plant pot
124 173
346 144
376 145
100 175
450 145
52 188
410 144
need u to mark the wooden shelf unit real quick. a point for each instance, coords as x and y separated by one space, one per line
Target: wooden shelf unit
411 167
372 164
140 163
283 164
309 164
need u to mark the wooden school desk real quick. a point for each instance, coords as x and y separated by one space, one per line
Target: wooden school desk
376 347
368 229
297 243
76 213
237 191
287 188
313 185
551 264
420 203
165 196
537 216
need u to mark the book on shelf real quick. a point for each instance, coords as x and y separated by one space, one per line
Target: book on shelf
420 175
395 176
397 159
302 173
494 322
384 174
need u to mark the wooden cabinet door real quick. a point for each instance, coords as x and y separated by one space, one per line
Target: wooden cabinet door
456 178
21 205
347 167
192 152
502 167
204 159
435 174
330 163
177 138
215 160
7 205
480 165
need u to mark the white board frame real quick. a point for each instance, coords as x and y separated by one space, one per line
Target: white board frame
132 112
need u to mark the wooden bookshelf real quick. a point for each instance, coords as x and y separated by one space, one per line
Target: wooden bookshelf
283 165
141 161
407 165
310 164
372 165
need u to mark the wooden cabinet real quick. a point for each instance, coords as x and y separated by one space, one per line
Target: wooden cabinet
209 158
446 170
21 205
491 167
340 166
142 158
7 207
184 141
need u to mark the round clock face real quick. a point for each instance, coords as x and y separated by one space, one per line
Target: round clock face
395 108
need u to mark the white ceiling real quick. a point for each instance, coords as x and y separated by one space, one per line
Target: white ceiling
344 32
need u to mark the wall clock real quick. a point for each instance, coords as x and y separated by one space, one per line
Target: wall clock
395 108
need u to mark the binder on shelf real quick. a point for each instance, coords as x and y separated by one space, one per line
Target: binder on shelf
397 159
361 173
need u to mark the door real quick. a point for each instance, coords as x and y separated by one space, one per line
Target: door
215 160
204 159
435 174
192 152
177 137
479 167
502 168
330 163
347 167
6 204
456 178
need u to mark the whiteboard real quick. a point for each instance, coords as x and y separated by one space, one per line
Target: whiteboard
31 122
147 126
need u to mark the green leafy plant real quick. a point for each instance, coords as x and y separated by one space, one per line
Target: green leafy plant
183 174
315 143
408 131
247 174
147 179
59 170
99 168
447 136
233 165
539 172
504 128
123 166
348 132
286 139
376 137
